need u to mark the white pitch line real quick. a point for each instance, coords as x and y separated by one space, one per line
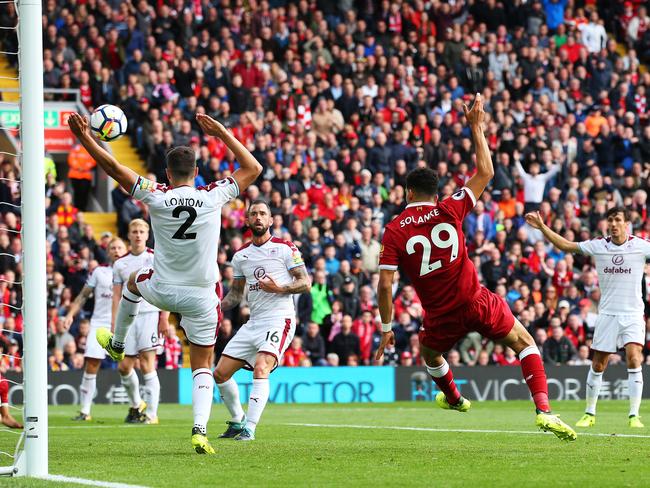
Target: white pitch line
83 481
464 431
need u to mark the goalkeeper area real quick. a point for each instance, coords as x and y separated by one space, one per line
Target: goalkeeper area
397 444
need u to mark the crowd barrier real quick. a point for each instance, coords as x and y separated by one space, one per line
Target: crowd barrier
373 384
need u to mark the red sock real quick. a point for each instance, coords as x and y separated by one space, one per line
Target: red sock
535 376
447 385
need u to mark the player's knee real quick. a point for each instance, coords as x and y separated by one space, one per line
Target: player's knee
634 360
598 365
221 376
263 366
131 286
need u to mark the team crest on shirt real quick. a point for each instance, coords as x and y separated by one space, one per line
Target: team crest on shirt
259 273
459 195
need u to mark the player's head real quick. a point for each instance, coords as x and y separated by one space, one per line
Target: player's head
421 185
618 219
259 217
138 233
181 164
116 248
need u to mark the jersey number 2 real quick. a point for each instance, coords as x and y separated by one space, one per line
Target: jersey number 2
452 241
191 217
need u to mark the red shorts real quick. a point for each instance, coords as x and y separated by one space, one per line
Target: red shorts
4 391
487 313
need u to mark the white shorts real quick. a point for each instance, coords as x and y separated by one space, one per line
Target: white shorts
615 331
271 336
93 349
198 306
143 334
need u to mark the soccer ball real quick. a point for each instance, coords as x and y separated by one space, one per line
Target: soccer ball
108 123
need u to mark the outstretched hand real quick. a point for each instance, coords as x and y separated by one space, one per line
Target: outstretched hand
534 219
210 126
476 115
78 125
387 339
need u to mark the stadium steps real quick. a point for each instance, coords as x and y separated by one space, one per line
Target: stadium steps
127 155
102 222
8 71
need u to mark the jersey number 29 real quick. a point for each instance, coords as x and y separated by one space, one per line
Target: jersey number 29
451 242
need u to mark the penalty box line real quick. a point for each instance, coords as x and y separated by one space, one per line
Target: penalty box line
463 431
83 481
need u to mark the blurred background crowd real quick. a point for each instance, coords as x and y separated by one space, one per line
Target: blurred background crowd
339 99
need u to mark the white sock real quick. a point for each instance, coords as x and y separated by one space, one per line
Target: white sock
202 397
257 401
230 395
87 389
152 386
594 380
132 385
635 387
127 311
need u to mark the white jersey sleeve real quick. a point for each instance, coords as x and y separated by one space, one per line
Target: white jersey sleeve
236 267
588 248
292 257
91 281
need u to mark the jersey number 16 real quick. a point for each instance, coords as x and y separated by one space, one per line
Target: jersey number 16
450 242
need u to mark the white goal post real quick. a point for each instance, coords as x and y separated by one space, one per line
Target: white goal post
30 28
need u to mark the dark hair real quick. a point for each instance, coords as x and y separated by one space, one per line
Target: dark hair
181 162
422 181
617 210
259 202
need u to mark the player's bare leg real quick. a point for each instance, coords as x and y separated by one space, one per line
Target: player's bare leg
127 311
594 382
7 418
520 340
87 388
151 385
438 368
131 384
203 386
264 364
229 392
634 358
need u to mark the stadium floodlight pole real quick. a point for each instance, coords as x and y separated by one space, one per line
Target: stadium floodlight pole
30 29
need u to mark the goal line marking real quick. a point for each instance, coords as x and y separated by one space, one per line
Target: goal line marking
464 431
83 481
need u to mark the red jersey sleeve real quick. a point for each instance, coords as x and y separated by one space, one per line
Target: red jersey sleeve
459 204
389 252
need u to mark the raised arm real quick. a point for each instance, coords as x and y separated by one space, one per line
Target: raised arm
535 220
484 168
126 177
78 302
249 167
235 294
385 299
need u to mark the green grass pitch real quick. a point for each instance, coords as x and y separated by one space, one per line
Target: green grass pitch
286 454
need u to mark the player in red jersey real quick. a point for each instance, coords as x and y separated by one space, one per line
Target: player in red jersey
426 241
5 416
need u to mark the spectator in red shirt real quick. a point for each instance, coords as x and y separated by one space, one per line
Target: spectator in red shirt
317 190
252 77
364 328
66 212
295 354
408 302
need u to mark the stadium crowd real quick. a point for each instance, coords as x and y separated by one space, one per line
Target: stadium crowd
339 100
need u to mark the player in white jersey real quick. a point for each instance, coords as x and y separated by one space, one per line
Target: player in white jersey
186 225
620 263
143 341
272 270
99 283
